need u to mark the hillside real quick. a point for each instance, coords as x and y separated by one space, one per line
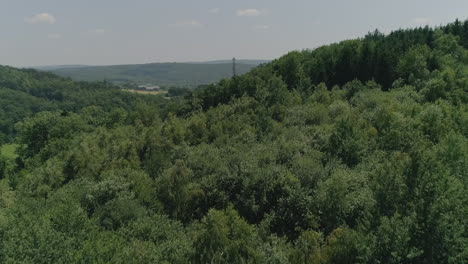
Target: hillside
240 61
56 67
355 152
164 74
26 92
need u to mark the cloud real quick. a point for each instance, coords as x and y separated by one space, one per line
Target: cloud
250 12
214 10
260 27
54 36
420 20
41 18
96 31
187 24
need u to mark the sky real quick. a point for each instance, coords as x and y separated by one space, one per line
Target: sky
105 32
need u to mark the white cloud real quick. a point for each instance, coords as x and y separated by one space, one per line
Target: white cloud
41 18
420 20
261 27
187 24
54 36
214 10
250 12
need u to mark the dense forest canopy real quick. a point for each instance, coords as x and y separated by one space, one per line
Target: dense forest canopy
26 92
355 152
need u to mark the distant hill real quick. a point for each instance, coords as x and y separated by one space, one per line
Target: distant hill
250 62
188 74
25 92
55 67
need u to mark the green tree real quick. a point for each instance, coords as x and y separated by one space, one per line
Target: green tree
224 237
179 192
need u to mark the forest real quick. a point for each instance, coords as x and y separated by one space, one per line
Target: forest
354 152
164 74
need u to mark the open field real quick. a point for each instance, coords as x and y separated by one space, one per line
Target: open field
145 92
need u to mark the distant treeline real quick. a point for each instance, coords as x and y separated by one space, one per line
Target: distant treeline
163 74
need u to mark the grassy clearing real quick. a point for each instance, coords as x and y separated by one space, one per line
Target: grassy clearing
145 92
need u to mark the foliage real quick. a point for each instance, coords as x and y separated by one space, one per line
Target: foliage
356 152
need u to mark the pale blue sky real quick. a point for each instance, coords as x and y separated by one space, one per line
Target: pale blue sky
99 32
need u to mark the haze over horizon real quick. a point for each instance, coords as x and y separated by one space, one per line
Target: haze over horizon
53 32
220 61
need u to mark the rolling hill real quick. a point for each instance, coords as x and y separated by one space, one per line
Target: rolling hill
188 74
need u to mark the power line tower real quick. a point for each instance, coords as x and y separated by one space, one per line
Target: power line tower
234 67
